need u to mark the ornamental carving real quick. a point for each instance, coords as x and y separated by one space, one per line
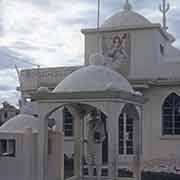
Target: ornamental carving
116 46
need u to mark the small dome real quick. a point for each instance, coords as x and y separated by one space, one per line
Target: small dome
20 123
93 78
126 18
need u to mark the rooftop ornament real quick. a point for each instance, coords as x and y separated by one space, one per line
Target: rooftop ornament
127 6
164 8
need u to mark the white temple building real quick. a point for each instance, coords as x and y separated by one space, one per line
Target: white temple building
120 112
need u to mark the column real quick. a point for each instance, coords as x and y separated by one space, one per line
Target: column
78 118
43 146
28 146
113 110
138 145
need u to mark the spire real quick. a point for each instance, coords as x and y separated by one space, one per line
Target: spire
164 8
127 6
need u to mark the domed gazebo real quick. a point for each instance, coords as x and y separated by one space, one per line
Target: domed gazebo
103 96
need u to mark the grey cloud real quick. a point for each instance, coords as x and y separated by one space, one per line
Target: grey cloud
11 97
7 88
23 45
9 58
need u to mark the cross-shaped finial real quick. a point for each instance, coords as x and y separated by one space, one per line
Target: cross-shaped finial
164 8
127 6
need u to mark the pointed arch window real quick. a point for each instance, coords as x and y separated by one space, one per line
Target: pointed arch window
171 115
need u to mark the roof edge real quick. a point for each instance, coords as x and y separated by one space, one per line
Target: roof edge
129 27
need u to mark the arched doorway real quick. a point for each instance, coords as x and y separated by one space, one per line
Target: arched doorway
82 110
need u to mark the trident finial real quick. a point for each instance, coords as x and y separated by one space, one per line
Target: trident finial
164 8
127 6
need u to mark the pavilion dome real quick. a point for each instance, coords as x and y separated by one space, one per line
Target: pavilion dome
126 18
94 78
20 123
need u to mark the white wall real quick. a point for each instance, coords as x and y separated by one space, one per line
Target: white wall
23 166
56 158
154 144
146 60
11 167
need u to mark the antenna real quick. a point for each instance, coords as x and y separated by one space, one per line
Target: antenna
164 8
98 26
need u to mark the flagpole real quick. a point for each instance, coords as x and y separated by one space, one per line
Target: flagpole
98 26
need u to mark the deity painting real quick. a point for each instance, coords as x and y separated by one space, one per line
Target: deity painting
116 47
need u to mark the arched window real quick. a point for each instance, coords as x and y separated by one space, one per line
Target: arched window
125 134
171 115
67 123
126 129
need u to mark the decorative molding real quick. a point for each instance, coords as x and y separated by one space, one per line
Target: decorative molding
116 47
104 96
124 28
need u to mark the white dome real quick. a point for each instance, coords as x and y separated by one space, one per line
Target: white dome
20 123
126 18
93 78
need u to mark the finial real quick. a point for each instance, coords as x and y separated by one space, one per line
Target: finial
127 6
164 8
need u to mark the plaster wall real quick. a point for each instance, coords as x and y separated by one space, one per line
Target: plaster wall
154 144
144 53
146 59
8 165
31 79
55 157
23 165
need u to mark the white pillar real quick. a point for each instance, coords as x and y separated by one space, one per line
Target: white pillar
28 154
78 131
138 145
43 147
112 126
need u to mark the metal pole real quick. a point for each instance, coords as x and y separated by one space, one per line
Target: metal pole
98 26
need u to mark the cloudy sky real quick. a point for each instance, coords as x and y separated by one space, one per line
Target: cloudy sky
47 32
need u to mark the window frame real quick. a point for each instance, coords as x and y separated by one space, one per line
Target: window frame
172 116
125 146
9 144
68 132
